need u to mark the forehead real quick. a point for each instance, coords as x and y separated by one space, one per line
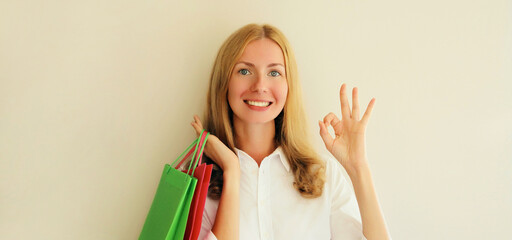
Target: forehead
262 51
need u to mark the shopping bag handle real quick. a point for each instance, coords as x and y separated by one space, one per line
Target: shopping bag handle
192 149
196 160
188 154
200 141
189 149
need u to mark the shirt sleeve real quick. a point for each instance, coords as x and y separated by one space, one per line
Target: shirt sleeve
209 212
345 218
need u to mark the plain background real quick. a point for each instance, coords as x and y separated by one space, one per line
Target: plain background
96 96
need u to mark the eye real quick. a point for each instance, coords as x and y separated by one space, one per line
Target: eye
275 74
244 71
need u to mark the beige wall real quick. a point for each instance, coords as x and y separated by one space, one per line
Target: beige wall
95 96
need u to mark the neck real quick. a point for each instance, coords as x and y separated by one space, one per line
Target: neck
257 140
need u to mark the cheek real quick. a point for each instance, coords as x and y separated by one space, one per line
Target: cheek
231 96
235 90
282 92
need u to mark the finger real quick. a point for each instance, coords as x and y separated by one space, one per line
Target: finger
331 120
196 128
368 112
345 108
326 137
197 125
355 104
198 121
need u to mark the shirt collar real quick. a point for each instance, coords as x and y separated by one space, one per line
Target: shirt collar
279 152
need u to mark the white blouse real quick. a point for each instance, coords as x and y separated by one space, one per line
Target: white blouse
271 208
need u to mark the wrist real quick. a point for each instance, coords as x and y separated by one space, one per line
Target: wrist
358 170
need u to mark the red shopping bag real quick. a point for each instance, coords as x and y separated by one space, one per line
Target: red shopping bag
202 173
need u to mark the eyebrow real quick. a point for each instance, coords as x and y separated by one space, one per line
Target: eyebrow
270 65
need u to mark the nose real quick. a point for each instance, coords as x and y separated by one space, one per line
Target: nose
260 84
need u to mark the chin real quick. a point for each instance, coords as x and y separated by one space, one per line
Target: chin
258 120
254 119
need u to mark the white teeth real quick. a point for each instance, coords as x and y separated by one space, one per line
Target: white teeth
258 104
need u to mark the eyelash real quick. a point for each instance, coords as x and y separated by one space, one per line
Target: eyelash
240 71
243 69
279 74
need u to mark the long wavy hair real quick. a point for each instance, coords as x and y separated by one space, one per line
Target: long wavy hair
291 126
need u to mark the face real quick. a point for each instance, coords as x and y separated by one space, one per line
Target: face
257 88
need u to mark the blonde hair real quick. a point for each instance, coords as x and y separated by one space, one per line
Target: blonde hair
291 127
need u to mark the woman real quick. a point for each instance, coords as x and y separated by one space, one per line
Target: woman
270 184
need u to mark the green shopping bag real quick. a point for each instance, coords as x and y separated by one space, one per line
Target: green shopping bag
167 217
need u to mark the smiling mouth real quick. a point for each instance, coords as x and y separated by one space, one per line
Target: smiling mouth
258 103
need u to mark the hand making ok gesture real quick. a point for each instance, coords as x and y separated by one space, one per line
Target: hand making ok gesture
348 145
